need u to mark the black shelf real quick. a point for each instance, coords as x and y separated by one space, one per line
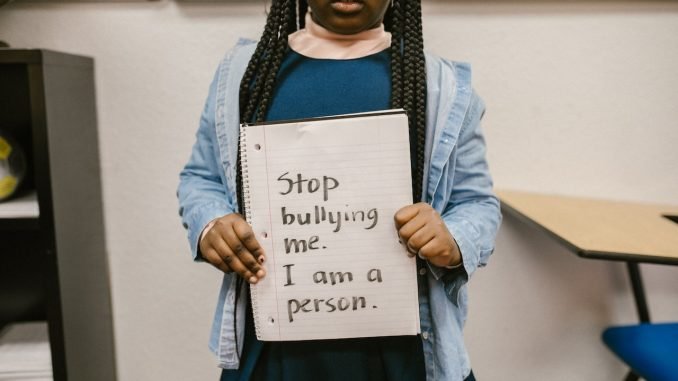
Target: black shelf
21 212
53 264
12 224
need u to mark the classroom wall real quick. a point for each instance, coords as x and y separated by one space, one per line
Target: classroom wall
581 100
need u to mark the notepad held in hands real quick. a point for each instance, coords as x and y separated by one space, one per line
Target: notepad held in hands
320 195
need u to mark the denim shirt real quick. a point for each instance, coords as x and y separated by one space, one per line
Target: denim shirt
458 186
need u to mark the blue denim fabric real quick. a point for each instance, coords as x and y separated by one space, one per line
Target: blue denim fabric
458 186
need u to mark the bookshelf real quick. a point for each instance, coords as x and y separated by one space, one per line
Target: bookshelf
53 264
23 207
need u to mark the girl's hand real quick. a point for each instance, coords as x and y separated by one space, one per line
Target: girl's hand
230 245
424 232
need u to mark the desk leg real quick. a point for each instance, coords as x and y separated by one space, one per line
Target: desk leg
638 292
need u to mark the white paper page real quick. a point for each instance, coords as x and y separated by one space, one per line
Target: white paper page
357 169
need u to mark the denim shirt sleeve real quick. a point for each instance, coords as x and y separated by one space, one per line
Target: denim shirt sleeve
201 191
472 213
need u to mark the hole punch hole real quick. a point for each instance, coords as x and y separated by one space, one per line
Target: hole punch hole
264 234
271 320
257 147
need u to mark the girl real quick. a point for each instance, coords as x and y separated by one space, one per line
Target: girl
329 57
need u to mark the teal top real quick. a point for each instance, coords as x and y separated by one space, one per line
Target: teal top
311 87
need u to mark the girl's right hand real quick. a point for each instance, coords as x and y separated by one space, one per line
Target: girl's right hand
231 245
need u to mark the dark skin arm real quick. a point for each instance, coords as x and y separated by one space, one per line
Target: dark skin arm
231 246
424 232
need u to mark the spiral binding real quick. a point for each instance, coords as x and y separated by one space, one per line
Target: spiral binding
247 201
244 171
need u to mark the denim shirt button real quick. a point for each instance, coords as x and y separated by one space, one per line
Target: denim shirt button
422 271
424 335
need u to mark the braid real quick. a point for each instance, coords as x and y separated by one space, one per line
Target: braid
292 24
420 106
301 12
408 72
248 96
408 91
257 84
287 12
395 22
408 80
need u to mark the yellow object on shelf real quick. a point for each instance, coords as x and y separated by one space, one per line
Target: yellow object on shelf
5 148
7 186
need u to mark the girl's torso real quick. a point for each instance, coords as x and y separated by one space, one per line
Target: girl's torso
314 87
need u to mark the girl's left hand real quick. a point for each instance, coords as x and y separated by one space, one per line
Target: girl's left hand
424 232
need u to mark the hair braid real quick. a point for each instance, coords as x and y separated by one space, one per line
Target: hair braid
395 22
288 10
408 72
254 64
408 64
269 43
292 20
420 103
414 91
302 8
259 78
256 87
408 78
249 92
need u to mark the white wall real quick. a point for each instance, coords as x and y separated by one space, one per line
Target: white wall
581 100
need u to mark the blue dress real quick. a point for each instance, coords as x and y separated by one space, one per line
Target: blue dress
309 87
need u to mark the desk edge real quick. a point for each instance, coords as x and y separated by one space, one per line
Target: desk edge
588 254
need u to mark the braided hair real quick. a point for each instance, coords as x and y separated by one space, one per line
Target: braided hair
408 72
408 78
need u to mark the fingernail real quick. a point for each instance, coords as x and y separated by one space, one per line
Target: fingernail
253 280
261 273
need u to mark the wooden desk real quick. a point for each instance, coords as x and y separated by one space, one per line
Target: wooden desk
631 232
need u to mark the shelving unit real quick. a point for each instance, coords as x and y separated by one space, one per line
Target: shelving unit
53 264
23 207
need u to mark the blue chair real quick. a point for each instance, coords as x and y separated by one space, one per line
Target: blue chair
649 349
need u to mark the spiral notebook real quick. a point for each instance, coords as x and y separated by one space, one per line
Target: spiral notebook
320 195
